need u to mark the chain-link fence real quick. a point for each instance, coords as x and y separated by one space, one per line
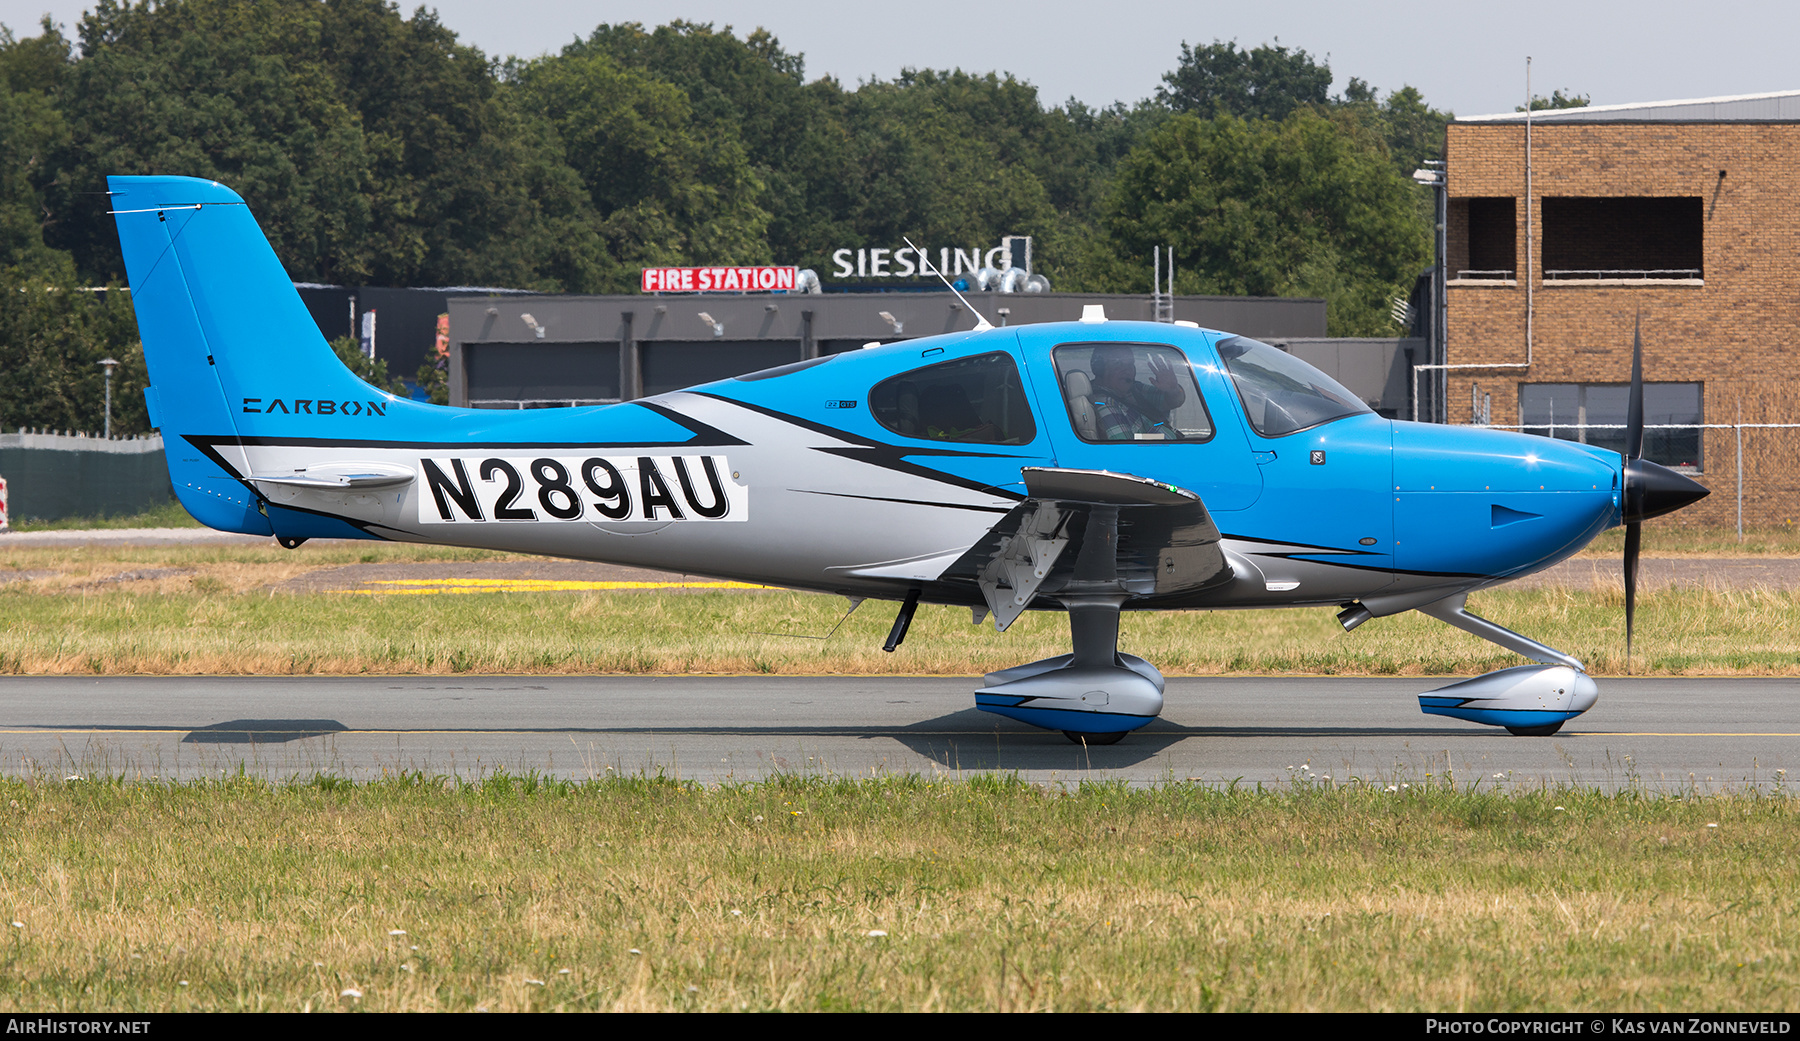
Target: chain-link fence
1749 467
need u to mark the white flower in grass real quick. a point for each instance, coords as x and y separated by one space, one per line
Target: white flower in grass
350 992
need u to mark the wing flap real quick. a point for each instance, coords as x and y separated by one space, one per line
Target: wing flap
1132 538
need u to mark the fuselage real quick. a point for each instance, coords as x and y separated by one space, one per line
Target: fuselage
816 476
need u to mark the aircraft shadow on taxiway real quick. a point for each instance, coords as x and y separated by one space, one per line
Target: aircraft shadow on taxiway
230 732
967 739
972 740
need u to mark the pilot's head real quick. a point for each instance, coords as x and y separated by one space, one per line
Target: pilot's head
1114 364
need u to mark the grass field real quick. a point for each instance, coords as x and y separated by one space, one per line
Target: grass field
1664 539
903 893
895 894
169 515
211 609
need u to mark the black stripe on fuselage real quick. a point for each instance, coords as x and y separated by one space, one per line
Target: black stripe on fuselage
1306 553
882 454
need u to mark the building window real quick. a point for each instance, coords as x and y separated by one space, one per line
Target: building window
1483 236
1595 414
1623 238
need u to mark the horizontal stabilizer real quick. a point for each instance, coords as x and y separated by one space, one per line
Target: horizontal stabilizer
339 476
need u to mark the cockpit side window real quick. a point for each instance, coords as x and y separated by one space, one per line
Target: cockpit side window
977 400
1131 392
1281 393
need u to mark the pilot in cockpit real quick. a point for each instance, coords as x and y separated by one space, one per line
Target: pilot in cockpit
1126 409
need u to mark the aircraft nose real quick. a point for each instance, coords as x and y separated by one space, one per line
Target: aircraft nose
1652 490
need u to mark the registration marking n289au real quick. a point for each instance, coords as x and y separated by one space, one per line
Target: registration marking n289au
591 488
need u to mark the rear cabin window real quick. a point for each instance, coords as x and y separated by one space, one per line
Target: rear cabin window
977 400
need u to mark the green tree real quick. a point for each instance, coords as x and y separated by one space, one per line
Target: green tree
663 189
32 131
1412 130
373 372
52 337
1266 82
374 149
938 156
1309 206
1557 99
53 333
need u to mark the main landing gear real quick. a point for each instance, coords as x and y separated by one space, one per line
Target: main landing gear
1095 696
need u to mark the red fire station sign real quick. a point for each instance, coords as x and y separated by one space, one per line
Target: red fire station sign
719 279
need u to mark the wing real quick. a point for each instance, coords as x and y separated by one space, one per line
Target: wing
1092 534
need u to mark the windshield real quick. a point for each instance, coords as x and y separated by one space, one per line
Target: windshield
1281 393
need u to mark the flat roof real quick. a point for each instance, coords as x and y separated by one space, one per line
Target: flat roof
1779 106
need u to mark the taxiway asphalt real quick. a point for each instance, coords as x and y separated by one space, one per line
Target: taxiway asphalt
1663 734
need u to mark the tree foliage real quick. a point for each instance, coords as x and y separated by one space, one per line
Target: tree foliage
1265 82
1308 206
377 149
1557 99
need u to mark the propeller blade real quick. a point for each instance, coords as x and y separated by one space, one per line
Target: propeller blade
1634 409
1633 535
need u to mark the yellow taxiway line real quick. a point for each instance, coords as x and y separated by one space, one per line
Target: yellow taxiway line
428 586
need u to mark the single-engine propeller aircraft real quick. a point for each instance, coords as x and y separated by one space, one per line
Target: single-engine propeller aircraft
1090 467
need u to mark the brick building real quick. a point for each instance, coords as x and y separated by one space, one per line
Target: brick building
1562 233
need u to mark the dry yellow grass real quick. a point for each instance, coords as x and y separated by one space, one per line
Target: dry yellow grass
212 610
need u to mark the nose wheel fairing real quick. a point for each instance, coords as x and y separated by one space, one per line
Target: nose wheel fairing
1525 698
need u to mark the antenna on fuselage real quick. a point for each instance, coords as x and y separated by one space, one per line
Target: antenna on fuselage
981 323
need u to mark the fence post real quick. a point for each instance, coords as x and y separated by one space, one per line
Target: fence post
1740 480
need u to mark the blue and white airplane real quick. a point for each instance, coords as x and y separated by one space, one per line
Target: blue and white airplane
1089 467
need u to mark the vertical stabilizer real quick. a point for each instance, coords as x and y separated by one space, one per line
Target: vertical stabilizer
232 352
